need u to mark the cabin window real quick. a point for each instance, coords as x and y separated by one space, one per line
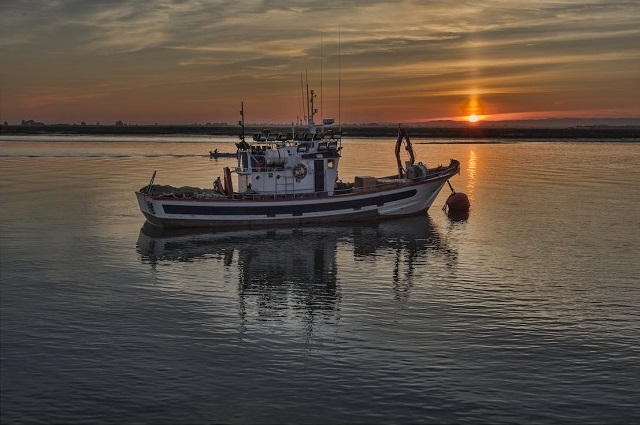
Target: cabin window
331 164
304 147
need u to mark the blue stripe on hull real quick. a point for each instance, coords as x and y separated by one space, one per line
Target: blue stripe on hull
272 210
358 216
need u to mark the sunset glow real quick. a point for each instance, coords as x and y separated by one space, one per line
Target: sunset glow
172 61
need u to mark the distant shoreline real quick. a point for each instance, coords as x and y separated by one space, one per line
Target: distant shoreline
353 131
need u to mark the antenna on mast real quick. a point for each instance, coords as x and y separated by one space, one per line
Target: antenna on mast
321 110
301 99
306 75
339 80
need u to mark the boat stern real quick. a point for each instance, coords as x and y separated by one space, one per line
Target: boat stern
145 204
148 208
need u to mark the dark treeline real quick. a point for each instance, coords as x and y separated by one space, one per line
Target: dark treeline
469 132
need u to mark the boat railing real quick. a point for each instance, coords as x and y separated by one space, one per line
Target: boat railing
260 169
267 135
341 189
443 170
279 195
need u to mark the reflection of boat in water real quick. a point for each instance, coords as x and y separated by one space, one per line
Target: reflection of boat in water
292 179
298 269
415 234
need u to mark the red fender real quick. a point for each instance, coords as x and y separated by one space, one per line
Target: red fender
458 202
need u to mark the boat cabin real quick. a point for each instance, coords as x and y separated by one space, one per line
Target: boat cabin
289 165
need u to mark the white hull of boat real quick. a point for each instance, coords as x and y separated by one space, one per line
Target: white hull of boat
404 198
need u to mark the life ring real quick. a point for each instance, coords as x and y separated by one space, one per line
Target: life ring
299 171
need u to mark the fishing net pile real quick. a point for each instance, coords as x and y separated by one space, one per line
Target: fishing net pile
181 192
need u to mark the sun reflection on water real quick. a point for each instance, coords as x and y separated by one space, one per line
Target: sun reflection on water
471 172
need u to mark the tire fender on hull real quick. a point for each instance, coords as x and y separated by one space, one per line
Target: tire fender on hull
228 183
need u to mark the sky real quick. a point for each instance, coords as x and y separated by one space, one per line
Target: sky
194 61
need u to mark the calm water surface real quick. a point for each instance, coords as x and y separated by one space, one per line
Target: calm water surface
525 312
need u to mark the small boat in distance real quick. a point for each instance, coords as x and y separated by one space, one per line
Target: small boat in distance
215 154
292 179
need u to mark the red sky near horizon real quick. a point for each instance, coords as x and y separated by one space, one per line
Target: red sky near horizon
175 62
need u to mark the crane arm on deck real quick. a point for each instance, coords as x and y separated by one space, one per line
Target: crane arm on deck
402 134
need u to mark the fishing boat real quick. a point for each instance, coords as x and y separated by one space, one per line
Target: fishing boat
292 179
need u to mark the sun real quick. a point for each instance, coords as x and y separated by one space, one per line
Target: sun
473 118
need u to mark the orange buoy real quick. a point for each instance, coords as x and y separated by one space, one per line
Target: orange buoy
458 202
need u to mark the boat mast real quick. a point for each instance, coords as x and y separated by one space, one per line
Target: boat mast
313 111
306 76
241 122
310 109
339 81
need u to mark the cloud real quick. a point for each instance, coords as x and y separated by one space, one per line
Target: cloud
388 50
